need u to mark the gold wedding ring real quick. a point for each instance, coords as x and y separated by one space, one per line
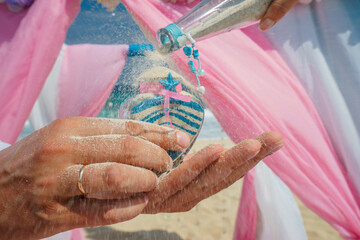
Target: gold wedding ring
80 183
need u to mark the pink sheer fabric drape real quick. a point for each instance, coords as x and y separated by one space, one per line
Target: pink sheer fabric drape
246 221
79 83
30 42
88 75
251 89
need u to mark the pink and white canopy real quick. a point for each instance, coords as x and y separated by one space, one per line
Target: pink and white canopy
273 81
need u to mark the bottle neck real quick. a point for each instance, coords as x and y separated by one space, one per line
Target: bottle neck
171 38
210 18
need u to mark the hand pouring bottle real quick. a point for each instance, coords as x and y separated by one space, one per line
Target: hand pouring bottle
209 18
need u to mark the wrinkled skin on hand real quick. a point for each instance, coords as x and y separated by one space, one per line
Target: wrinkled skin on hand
208 172
39 174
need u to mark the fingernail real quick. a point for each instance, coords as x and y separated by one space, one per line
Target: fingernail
146 198
266 24
183 139
276 147
254 154
216 157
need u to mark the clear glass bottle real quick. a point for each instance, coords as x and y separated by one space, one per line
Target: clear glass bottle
209 18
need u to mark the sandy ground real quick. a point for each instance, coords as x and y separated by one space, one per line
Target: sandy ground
212 219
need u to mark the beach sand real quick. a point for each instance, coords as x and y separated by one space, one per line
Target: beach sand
211 219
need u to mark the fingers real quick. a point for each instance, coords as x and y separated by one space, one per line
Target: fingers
217 172
164 137
228 162
121 149
84 212
106 181
275 12
270 143
181 176
188 156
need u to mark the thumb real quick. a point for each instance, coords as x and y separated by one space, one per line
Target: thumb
275 12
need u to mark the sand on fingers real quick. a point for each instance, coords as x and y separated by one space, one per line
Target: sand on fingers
211 219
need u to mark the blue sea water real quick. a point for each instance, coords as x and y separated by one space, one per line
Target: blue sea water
96 25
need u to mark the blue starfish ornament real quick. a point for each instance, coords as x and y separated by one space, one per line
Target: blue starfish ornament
169 84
